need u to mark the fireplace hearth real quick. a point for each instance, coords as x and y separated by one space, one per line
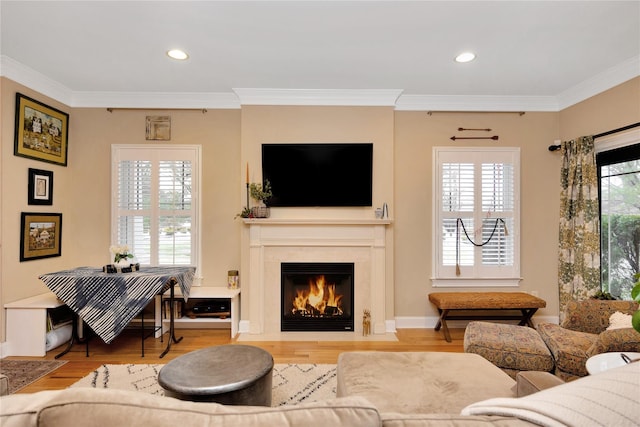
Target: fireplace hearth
317 296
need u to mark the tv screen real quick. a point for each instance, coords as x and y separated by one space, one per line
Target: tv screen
319 174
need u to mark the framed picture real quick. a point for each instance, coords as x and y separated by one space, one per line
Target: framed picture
158 128
41 131
41 235
40 187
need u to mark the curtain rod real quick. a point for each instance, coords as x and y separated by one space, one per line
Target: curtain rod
600 135
112 109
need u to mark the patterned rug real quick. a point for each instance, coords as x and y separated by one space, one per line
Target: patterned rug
21 373
292 383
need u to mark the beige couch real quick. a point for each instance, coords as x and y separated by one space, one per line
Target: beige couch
587 401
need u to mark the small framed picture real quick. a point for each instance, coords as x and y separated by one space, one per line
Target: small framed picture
40 187
41 131
41 235
158 128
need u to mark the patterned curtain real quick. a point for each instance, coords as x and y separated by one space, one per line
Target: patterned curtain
579 247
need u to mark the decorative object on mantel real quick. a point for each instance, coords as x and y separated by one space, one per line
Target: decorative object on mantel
260 194
123 260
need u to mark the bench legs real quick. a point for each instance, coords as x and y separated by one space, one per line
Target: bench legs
442 321
525 319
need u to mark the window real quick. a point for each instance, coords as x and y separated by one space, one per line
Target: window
619 192
476 216
155 194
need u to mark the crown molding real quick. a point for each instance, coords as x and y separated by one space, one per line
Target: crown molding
32 79
155 100
334 97
609 78
26 76
476 103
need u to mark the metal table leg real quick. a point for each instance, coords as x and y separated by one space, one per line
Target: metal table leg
172 328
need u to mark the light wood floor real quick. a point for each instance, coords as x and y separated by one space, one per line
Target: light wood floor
126 349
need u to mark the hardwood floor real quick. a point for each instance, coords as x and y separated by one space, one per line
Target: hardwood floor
126 349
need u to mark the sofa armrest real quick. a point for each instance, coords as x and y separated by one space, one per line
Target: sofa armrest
528 382
624 339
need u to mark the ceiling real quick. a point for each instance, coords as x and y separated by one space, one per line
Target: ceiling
531 55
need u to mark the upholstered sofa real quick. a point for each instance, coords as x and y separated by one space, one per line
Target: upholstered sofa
583 333
587 401
562 349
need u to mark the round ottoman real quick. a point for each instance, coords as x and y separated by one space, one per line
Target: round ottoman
228 374
512 348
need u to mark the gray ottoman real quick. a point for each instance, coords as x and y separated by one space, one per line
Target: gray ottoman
227 374
420 382
512 348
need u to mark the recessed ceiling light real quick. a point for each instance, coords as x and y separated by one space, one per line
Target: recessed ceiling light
177 54
466 57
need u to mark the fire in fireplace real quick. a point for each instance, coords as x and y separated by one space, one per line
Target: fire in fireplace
317 296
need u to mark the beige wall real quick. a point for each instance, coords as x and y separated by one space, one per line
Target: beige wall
416 135
615 108
82 189
230 139
263 124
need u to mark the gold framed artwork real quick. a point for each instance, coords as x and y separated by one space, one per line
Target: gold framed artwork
41 131
41 235
158 128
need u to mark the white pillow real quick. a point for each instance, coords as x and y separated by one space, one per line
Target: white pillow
619 320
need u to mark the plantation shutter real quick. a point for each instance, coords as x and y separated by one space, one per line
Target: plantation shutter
476 216
155 203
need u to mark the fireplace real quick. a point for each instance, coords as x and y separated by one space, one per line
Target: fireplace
317 296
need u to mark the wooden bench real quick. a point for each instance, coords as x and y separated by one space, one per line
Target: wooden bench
446 302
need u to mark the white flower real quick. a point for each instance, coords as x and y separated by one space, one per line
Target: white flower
119 249
120 252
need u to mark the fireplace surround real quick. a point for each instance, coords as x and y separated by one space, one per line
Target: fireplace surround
274 241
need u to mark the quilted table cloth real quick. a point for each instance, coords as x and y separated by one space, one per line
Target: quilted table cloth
107 302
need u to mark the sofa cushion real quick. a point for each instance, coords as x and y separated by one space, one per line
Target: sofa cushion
568 348
626 339
619 320
611 398
420 382
529 382
99 407
450 420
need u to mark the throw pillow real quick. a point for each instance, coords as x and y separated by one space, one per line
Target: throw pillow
619 320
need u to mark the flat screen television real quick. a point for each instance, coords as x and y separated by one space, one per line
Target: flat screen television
319 174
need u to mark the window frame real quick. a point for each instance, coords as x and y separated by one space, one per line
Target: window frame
610 143
157 153
442 276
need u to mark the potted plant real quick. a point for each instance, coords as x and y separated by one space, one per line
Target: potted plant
261 194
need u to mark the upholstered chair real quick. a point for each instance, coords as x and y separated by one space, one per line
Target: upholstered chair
583 333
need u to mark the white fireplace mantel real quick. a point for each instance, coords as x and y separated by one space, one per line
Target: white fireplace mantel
273 241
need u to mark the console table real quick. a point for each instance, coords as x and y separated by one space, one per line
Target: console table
107 302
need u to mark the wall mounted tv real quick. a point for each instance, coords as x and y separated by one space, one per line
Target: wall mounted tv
319 174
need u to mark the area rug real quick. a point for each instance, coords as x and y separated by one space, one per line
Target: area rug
292 383
21 373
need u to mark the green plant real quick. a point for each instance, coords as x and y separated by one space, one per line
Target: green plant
260 193
635 295
246 213
603 296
